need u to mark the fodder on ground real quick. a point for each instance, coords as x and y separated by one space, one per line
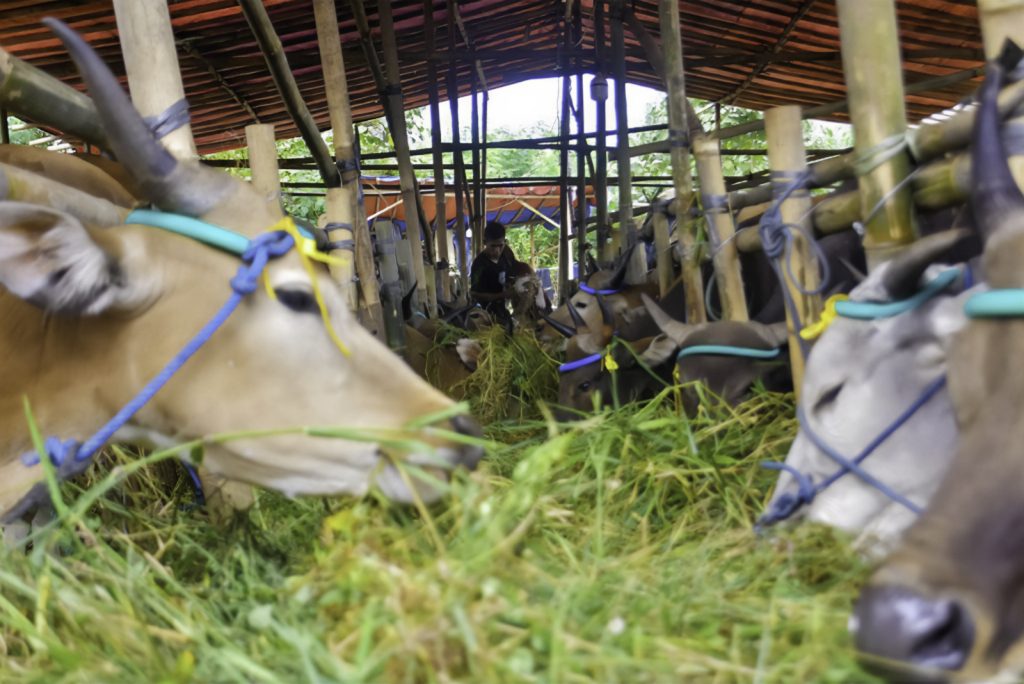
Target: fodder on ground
616 549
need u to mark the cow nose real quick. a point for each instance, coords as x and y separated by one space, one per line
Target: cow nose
898 624
469 454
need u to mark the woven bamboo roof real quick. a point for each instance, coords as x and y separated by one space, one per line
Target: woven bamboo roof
754 53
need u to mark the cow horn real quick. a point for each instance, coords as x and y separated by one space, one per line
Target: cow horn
903 275
577 319
607 317
676 330
188 188
564 330
620 273
997 201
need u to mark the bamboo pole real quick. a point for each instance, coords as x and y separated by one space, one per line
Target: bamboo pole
563 174
819 111
277 62
266 177
5 129
721 229
342 203
151 61
581 145
440 218
678 135
479 212
391 286
599 94
663 247
636 272
34 95
459 161
871 64
401 139
786 156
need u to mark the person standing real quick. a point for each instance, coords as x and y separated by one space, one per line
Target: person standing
490 275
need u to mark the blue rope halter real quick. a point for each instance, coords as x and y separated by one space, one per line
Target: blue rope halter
789 503
71 458
589 290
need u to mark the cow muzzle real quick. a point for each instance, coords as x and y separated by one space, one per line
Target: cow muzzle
412 480
907 636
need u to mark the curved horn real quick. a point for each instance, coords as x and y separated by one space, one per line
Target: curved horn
607 317
997 201
577 319
188 188
564 330
676 330
620 273
903 275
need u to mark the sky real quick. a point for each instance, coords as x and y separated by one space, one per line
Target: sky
524 104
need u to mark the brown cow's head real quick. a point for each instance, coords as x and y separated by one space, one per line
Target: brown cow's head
949 603
90 313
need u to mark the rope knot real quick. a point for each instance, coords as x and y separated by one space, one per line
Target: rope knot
261 249
57 451
789 503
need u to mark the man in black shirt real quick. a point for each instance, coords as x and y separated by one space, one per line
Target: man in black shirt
490 276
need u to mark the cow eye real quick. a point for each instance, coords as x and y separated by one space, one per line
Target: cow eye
301 301
580 305
828 397
583 386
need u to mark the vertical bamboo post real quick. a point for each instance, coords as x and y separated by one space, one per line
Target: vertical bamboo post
342 203
460 172
663 248
263 161
636 271
721 229
874 81
151 61
5 129
599 94
479 213
440 207
1002 19
563 173
391 285
786 157
581 145
678 138
399 134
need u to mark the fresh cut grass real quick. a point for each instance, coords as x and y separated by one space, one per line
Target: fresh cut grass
616 549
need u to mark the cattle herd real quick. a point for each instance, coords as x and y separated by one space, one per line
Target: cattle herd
909 410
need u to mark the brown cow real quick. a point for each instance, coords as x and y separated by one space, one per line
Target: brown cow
949 603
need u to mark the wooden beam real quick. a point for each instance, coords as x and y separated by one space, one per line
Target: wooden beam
785 154
721 229
400 136
871 64
678 136
266 177
460 173
563 173
342 208
270 45
440 201
33 95
151 61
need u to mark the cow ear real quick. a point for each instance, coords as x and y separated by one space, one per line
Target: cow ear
49 259
659 351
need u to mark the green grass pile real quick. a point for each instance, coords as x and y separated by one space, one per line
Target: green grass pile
618 549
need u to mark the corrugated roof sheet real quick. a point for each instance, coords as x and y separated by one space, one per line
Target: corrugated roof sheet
754 53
